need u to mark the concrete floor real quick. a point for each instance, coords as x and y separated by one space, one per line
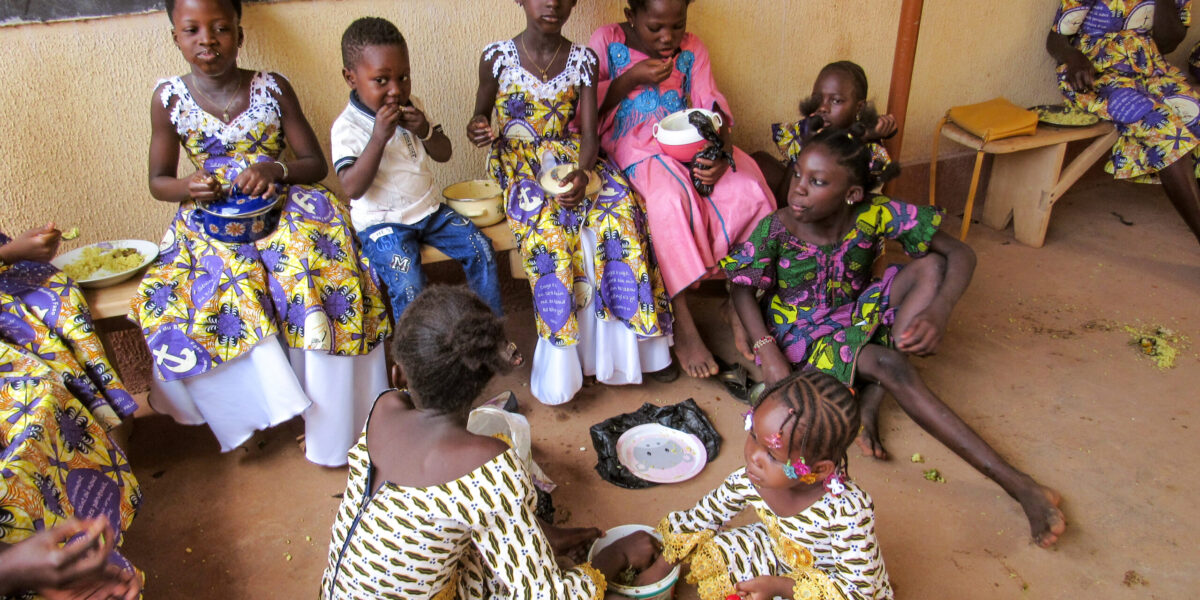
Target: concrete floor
1036 359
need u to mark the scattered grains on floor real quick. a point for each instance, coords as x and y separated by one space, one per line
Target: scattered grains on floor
934 476
1133 578
917 458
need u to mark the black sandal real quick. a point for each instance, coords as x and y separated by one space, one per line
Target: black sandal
735 378
667 375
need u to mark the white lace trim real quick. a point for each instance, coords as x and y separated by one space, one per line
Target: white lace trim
508 71
188 117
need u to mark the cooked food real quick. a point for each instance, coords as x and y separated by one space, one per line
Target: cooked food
95 260
71 234
1065 115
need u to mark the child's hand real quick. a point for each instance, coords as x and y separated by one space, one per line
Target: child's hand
48 560
38 245
637 550
386 120
923 333
709 172
479 131
1081 74
764 588
203 187
570 541
412 119
258 180
572 197
884 128
650 71
114 583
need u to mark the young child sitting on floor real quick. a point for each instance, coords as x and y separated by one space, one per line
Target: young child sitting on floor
815 538
838 100
822 310
382 143
434 511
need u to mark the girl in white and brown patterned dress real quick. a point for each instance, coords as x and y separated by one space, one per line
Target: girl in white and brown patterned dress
434 511
815 538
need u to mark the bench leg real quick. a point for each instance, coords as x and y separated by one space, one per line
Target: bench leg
1016 189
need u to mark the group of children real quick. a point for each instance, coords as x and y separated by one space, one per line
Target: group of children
245 336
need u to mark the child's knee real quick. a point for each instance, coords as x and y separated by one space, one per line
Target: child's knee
888 366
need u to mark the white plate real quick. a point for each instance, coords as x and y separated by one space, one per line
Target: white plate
103 278
661 454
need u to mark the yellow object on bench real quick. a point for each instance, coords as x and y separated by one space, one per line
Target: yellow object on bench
1027 176
114 301
995 119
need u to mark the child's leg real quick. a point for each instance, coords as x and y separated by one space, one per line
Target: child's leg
461 240
1179 181
395 255
775 173
892 369
694 356
870 396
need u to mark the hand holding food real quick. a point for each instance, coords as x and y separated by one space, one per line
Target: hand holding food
204 187
38 245
479 131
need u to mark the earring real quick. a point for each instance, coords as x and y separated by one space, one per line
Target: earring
849 202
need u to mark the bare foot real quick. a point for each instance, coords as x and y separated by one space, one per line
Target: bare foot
868 408
1046 521
693 355
740 339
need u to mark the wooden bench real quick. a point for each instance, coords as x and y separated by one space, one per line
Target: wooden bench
1028 175
113 301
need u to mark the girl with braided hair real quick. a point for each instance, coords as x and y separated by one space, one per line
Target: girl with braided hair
820 308
816 532
432 510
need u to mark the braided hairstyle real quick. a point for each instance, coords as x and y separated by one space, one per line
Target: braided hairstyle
823 419
449 344
237 8
368 31
850 151
637 5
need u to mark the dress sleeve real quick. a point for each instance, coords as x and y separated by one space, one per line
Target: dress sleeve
601 39
516 551
685 530
913 226
1185 12
753 263
857 570
703 92
1070 15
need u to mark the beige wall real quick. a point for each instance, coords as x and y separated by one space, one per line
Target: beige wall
74 121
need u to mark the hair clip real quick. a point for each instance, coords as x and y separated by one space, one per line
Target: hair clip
775 441
748 416
798 469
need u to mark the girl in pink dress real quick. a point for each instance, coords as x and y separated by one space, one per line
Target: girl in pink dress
651 67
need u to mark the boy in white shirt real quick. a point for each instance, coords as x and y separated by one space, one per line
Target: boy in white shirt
381 145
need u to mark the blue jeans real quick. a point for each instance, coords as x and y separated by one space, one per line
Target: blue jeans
395 254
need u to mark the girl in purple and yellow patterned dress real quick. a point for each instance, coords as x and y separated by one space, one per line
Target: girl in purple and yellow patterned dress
1110 55
821 309
600 305
59 399
246 336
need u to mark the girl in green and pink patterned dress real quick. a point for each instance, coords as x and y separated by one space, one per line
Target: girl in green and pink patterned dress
822 310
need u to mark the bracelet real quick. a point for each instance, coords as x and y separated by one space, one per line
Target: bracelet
285 170
433 129
763 341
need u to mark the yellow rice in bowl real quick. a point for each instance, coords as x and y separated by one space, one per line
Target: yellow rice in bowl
94 260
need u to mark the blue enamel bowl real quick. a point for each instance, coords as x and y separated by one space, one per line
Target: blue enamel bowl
238 218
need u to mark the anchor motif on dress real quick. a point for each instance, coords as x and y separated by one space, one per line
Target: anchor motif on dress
526 203
182 363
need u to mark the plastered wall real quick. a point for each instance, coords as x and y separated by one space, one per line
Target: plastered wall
74 103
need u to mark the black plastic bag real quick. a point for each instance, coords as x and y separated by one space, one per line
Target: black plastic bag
685 416
712 151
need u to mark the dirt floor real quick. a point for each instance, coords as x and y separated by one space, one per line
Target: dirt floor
1036 359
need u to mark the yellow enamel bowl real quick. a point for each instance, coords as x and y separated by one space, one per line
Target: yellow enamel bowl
480 200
